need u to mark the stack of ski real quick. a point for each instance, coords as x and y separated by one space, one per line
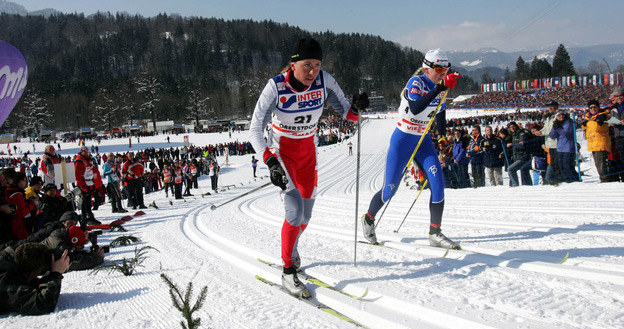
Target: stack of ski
115 222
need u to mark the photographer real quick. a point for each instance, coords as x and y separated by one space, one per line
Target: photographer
69 219
72 240
20 289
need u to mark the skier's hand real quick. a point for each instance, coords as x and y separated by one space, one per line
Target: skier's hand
360 102
278 176
449 81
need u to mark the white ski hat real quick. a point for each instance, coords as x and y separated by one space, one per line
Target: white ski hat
436 57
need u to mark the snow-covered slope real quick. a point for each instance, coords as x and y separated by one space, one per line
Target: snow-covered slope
514 278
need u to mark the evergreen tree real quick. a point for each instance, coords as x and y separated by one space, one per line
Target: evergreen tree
486 78
523 69
540 68
562 64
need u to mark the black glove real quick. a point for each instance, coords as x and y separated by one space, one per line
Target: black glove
584 123
600 120
557 124
278 176
360 102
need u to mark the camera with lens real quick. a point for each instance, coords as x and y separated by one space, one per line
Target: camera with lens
92 236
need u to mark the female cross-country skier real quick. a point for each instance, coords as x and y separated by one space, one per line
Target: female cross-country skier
293 103
419 99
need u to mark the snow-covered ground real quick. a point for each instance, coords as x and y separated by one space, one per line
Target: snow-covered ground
514 278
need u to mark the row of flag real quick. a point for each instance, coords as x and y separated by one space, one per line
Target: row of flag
611 79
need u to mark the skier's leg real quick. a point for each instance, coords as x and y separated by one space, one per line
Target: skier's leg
428 158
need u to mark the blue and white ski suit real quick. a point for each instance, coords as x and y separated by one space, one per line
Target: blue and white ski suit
419 100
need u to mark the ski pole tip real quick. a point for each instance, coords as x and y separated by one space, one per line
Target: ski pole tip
213 207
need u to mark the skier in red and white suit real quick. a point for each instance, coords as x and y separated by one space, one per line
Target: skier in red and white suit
293 103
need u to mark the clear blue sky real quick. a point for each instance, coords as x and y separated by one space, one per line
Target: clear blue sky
451 25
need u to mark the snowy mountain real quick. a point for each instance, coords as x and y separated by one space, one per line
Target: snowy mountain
540 256
581 56
14 8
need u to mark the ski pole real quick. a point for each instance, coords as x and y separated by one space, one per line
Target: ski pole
413 203
213 207
357 189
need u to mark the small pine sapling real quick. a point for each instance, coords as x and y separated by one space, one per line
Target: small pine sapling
182 302
126 266
124 240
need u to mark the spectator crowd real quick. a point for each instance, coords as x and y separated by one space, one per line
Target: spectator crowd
568 96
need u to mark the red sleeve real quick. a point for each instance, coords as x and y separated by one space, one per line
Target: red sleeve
352 116
22 208
79 169
267 154
97 179
124 168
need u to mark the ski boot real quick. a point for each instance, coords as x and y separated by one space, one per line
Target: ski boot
368 228
291 283
437 239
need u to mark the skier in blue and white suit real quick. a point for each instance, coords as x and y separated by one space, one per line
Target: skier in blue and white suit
419 100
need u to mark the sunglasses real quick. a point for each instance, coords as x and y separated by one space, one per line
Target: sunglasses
440 70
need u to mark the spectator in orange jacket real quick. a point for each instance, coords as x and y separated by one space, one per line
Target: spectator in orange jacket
597 133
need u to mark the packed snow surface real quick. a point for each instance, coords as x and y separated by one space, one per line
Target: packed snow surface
511 277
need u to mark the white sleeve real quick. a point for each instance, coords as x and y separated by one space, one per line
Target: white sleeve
261 117
335 97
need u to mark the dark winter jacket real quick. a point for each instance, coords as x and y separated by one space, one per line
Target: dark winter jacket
43 233
520 145
17 294
459 150
58 241
493 156
54 207
564 134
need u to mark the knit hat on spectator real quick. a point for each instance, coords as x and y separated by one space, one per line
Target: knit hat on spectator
69 215
84 148
593 102
36 180
560 113
77 237
307 48
618 91
49 186
513 123
553 103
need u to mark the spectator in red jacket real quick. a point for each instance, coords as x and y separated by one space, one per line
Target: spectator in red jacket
86 177
15 195
132 172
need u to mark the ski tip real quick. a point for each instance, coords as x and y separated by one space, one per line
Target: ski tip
364 294
565 258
